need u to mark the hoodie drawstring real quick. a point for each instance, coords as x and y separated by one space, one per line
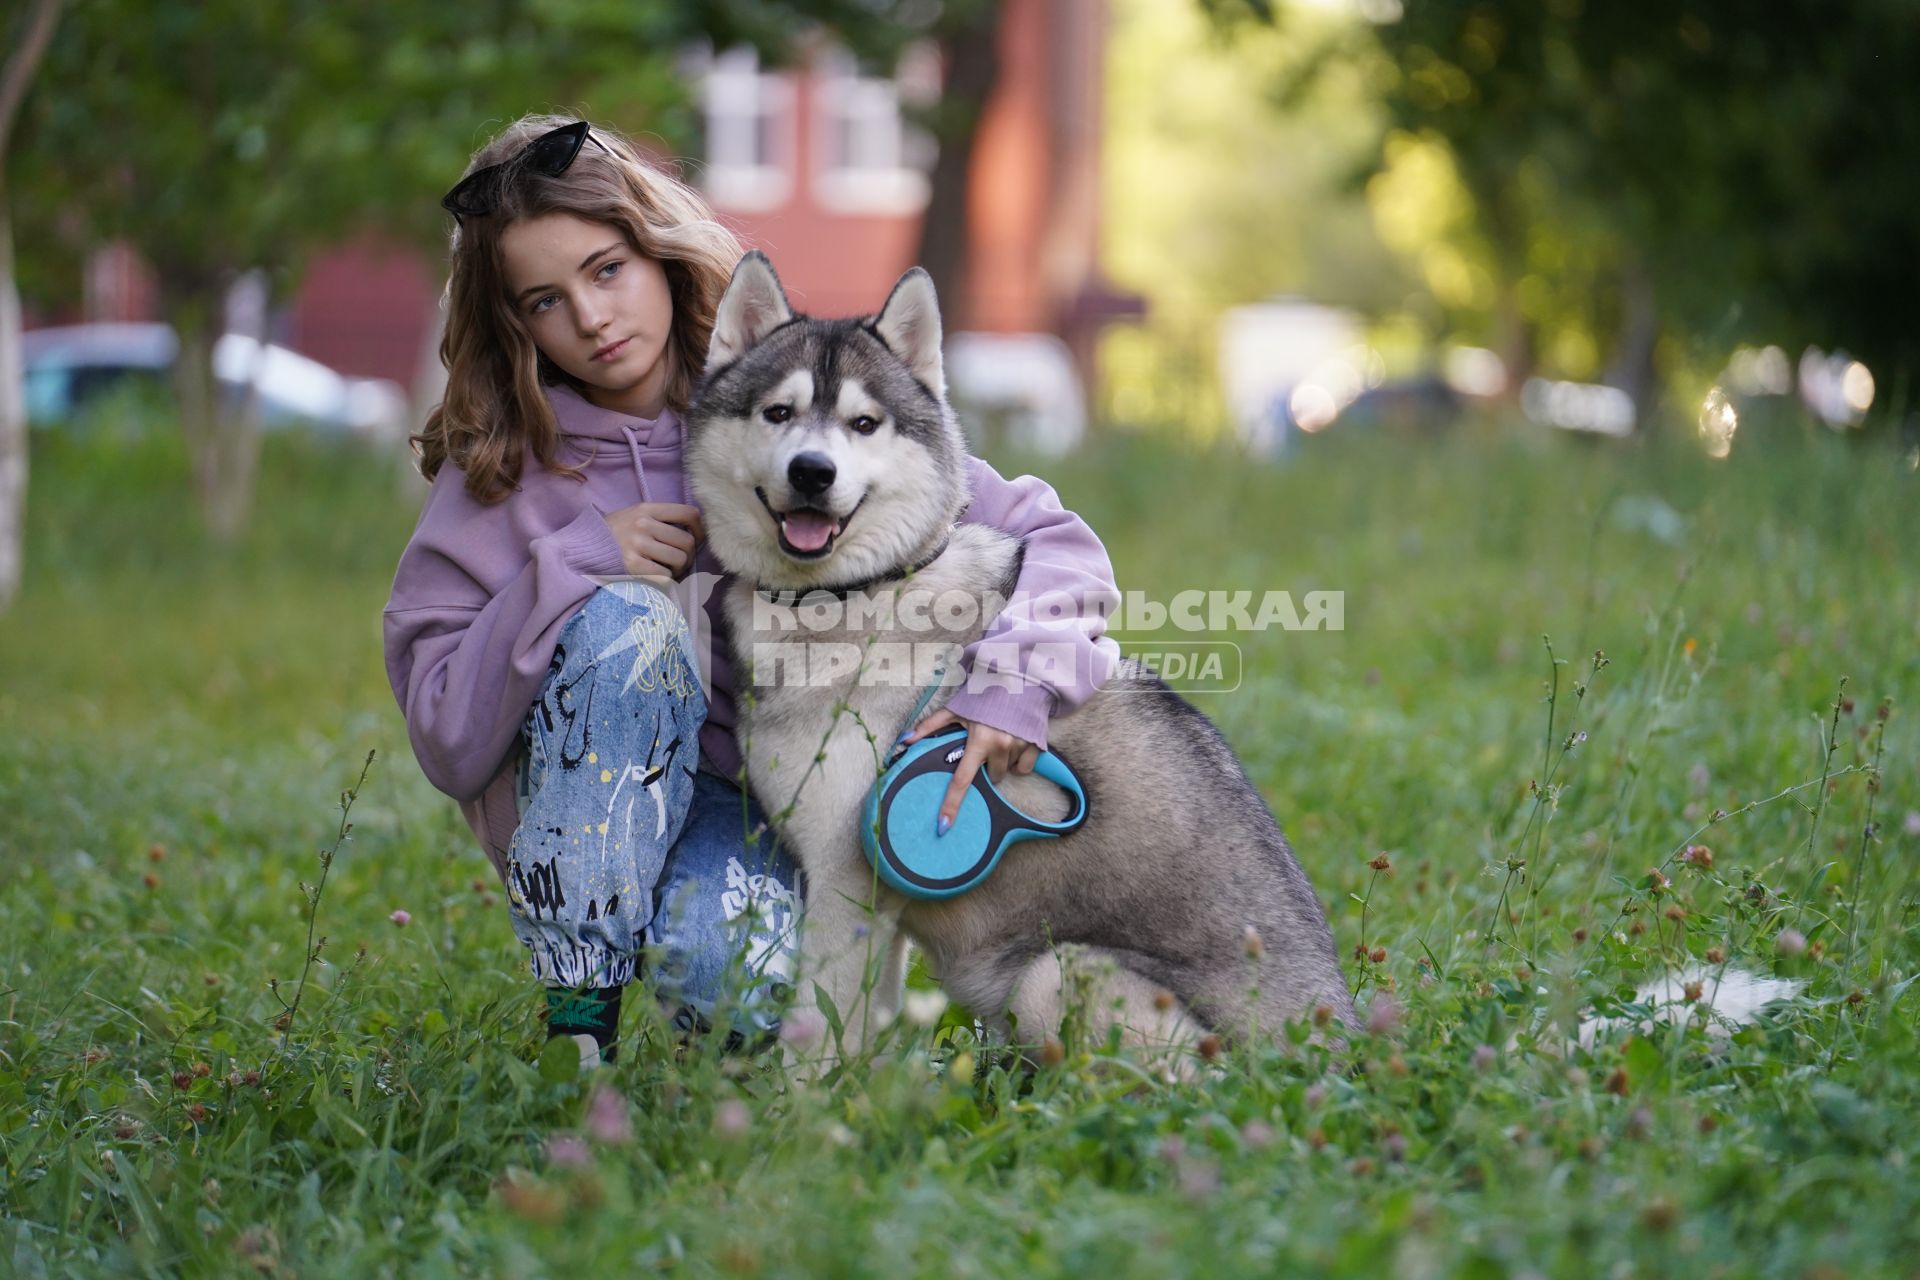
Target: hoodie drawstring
639 473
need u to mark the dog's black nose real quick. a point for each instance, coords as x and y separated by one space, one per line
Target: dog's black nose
811 474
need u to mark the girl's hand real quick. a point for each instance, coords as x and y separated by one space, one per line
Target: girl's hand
999 750
657 539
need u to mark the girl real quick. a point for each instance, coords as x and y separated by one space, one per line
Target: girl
549 632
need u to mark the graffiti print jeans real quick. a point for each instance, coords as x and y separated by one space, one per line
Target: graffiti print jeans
628 861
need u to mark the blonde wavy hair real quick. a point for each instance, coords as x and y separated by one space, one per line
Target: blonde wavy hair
494 411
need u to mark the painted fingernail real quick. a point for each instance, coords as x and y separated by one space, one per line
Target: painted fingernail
943 826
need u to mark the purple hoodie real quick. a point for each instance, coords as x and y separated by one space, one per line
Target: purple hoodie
482 593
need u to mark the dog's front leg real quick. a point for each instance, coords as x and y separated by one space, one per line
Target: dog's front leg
851 958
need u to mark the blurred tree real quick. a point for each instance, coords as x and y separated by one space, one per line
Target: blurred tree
1710 169
222 138
1758 168
968 35
1216 194
29 30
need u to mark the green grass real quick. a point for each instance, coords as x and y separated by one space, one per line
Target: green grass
192 714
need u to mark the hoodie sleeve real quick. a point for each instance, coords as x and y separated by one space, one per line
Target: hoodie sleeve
466 668
1047 651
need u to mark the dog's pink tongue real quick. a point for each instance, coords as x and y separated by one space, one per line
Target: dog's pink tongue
808 530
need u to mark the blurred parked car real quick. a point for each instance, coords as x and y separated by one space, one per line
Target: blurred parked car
1423 402
69 368
1420 405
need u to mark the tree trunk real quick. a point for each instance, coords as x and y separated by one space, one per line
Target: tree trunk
970 56
1503 219
195 392
1632 367
1512 336
221 427
428 390
21 64
13 424
236 462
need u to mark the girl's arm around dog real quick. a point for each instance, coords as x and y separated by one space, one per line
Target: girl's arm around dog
1047 652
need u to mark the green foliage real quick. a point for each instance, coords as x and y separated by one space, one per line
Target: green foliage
1214 195
193 715
221 137
1185 119
1750 170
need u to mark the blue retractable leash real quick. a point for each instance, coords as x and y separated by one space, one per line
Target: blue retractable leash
898 819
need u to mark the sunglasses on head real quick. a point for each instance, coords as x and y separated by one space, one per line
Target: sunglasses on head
550 154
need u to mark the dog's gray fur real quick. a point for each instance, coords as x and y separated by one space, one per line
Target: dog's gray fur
1179 858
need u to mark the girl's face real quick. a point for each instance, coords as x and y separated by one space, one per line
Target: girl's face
594 306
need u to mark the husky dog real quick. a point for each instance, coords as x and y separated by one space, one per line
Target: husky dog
825 456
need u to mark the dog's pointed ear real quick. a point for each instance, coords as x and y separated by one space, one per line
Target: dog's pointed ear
753 306
910 326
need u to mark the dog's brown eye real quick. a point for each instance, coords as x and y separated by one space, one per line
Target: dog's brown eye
776 413
865 425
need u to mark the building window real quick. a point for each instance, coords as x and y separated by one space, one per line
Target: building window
869 159
749 117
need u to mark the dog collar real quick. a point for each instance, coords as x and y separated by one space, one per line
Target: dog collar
790 597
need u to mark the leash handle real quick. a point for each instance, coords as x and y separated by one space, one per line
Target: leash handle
1054 770
1049 766
897 827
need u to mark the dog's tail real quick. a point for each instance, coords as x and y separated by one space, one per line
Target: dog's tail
1732 998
